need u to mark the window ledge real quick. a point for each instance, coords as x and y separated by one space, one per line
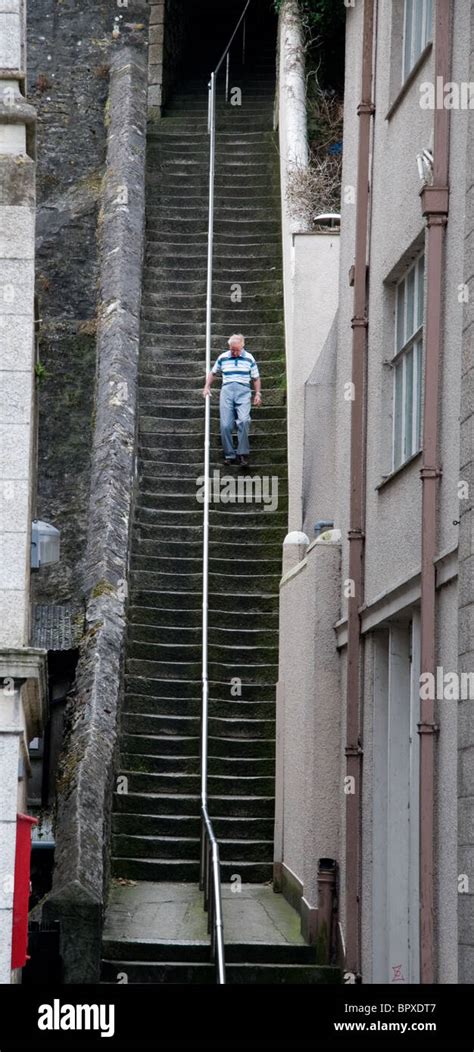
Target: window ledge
394 474
409 80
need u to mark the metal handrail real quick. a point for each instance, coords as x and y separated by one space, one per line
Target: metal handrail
210 878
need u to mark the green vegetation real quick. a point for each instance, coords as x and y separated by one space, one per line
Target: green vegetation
316 188
40 371
322 16
323 22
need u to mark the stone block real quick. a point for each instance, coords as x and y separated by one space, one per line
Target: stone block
10 40
9 752
17 232
16 341
12 139
14 451
155 74
157 13
14 503
155 54
15 395
13 619
17 283
13 561
155 95
156 36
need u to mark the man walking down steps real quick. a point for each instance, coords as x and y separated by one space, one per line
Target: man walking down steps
238 368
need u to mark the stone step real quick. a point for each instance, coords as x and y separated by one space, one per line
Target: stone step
228 727
254 307
196 184
248 583
173 134
174 804
156 470
227 720
250 952
142 686
223 515
158 278
187 870
189 455
189 342
159 563
162 620
182 705
196 146
175 531
192 258
185 323
191 973
186 745
225 785
152 847
188 380
261 674
205 974
184 618
189 826
165 423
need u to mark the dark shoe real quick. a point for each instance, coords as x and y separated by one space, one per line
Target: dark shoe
230 460
243 460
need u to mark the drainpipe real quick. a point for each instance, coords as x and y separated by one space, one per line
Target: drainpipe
365 111
435 203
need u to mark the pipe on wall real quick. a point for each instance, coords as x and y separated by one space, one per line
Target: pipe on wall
353 751
435 204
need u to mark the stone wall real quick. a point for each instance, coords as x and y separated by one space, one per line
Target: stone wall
70 49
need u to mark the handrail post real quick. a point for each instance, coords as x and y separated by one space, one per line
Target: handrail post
227 76
244 33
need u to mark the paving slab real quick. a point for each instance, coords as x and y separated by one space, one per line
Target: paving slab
171 911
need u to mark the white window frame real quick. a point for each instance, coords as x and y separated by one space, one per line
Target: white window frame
407 364
417 31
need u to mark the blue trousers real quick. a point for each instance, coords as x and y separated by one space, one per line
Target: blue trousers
235 401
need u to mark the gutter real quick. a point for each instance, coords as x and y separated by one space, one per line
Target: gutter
435 205
365 111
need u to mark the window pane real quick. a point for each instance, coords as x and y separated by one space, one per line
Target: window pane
421 291
418 43
408 429
419 391
408 36
429 21
410 283
397 415
400 315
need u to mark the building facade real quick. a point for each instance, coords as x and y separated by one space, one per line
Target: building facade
23 674
375 672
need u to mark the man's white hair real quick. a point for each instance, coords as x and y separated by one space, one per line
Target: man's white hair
236 336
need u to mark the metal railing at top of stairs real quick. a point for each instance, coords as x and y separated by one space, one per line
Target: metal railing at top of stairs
210 875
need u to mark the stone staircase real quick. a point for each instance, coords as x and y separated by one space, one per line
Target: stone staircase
188 962
155 824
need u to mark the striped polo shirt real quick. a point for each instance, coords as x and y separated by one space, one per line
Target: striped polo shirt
240 369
